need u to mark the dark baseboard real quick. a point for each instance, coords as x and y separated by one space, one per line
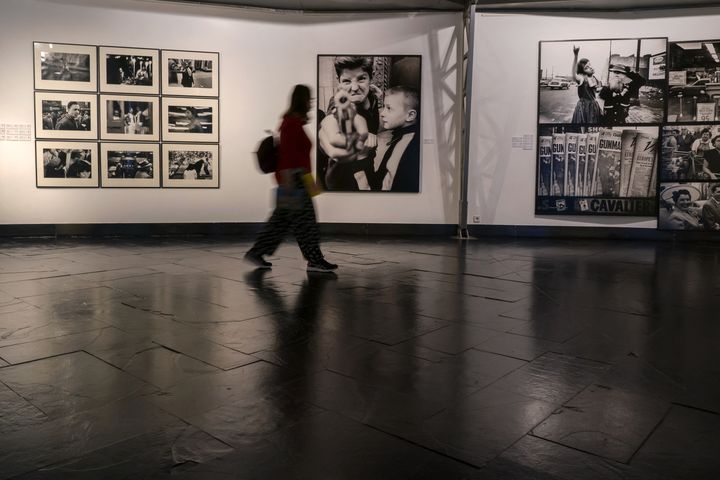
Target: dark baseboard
212 230
352 229
605 233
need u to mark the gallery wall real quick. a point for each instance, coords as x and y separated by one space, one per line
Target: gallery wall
262 55
502 178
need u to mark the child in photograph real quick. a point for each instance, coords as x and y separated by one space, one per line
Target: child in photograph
399 164
587 109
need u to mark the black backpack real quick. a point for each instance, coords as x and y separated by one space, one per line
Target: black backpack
267 155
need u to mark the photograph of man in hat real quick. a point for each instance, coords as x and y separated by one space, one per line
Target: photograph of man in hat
622 88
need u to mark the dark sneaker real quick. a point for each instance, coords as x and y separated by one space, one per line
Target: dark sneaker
257 260
321 266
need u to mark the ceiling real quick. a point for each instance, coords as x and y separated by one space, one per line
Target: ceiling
422 5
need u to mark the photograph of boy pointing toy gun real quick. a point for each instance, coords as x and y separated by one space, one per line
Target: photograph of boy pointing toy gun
369 123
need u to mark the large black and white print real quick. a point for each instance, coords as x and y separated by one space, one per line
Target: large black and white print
369 123
65 67
65 115
694 81
602 82
691 206
66 164
597 170
130 165
129 118
190 166
690 152
190 73
129 70
190 120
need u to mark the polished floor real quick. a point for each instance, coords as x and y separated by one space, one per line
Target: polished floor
421 359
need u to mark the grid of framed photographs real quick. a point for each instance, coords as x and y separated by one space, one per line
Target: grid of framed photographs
126 117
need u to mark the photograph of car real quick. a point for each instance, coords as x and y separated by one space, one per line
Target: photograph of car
559 83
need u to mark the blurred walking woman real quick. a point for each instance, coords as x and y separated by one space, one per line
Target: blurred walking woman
294 210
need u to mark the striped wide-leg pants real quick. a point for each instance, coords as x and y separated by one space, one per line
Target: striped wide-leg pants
301 222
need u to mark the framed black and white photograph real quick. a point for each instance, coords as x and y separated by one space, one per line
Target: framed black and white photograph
368 117
597 170
694 81
65 67
191 166
71 116
129 70
690 152
127 117
190 73
130 165
66 164
190 119
602 82
689 206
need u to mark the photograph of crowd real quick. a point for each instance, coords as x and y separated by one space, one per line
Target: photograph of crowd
602 82
593 170
369 123
190 73
65 67
66 164
694 81
689 206
190 166
690 152
126 117
129 165
128 70
190 119
65 115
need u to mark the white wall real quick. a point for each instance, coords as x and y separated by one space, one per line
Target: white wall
502 179
262 54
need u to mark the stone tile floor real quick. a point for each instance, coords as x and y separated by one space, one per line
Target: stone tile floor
421 359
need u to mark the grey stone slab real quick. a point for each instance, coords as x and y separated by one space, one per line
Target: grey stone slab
71 383
236 386
466 373
329 446
110 344
535 458
553 378
164 368
36 324
604 421
518 346
454 339
16 413
481 426
75 435
385 323
199 348
683 446
160 453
